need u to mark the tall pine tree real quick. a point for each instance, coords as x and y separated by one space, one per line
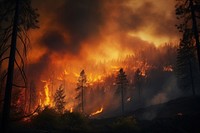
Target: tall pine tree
187 64
188 53
188 12
122 83
81 86
59 100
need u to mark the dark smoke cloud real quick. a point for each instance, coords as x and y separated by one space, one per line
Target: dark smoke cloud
55 42
130 18
81 19
37 69
85 19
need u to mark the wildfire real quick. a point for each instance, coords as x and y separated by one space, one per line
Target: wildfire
47 101
97 112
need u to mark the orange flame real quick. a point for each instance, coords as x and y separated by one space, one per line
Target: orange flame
71 110
168 68
47 101
97 112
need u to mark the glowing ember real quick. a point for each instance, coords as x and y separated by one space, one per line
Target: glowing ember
71 110
168 68
97 112
129 99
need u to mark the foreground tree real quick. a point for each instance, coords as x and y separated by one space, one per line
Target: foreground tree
81 86
188 12
17 17
122 83
59 100
187 64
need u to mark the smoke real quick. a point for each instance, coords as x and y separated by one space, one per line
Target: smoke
99 36
54 37
94 22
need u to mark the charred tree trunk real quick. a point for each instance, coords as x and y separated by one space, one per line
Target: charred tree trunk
195 30
122 98
82 95
9 82
30 98
191 77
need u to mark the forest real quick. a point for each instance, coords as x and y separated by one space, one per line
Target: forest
99 66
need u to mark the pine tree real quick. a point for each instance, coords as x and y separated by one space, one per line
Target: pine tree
188 11
81 86
187 64
59 99
122 83
138 82
32 96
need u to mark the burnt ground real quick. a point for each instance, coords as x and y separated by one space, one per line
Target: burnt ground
181 115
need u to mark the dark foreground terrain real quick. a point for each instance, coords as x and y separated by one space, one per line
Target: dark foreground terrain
181 115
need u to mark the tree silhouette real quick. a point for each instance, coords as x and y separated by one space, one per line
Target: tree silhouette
186 66
32 96
122 83
17 17
81 86
138 82
187 11
59 99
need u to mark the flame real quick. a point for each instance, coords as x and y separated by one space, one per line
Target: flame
168 68
47 101
71 110
97 112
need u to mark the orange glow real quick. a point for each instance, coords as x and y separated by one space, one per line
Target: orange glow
97 112
168 68
71 110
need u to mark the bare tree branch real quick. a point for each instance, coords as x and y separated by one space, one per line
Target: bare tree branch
4 59
26 116
18 86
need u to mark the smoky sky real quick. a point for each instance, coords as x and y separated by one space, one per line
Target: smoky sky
55 41
67 25
37 69
81 20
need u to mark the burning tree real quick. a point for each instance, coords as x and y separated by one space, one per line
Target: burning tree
122 83
81 86
17 17
59 99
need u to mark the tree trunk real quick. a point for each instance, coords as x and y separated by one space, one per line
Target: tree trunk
82 98
191 77
195 30
9 82
122 96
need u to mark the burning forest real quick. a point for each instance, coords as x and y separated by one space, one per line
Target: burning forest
79 64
